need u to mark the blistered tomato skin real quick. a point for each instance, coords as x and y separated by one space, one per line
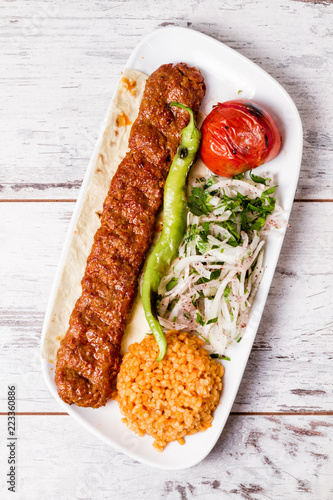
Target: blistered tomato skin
238 136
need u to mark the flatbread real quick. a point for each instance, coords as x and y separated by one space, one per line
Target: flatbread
122 113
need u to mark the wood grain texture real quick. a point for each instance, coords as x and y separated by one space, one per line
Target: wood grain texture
59 64
255 458
293 338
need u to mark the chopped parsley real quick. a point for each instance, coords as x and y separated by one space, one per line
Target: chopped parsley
259 180
215 355
239 177
200 319
171 284
226 293
214 275
220 212
198 202
206 340
172 304
213 320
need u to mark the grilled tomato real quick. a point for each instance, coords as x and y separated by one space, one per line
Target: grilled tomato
237 136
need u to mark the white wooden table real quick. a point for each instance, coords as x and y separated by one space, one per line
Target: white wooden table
59 64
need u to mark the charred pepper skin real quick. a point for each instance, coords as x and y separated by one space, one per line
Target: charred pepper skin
174 225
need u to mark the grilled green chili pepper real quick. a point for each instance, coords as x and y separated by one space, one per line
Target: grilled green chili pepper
174 225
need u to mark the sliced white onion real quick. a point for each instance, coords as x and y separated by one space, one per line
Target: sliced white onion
218 308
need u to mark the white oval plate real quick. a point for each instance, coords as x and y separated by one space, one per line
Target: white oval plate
228 75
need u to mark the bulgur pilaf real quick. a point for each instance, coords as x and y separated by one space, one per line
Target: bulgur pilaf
173 398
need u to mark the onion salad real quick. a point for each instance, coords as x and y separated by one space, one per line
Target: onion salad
209 288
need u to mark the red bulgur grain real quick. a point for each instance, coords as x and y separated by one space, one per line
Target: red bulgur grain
173 398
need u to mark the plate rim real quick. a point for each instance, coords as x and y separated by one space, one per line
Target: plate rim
189 32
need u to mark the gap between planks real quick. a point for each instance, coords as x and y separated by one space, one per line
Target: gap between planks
72 200
46 200
235 413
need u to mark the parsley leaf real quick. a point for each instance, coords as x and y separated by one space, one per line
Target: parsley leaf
205 226
198 202
258 224
202 280
213 320
258 179
171 284
226 292
172 304
202 336
215 274
200 319
219 356
238 177
201 246
268 191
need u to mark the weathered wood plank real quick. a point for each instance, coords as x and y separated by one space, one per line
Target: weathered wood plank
255 458
61 62
291 358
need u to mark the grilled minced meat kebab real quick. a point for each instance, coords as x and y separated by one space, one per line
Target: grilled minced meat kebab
89 355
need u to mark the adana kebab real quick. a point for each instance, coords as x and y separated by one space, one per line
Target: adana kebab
88 359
